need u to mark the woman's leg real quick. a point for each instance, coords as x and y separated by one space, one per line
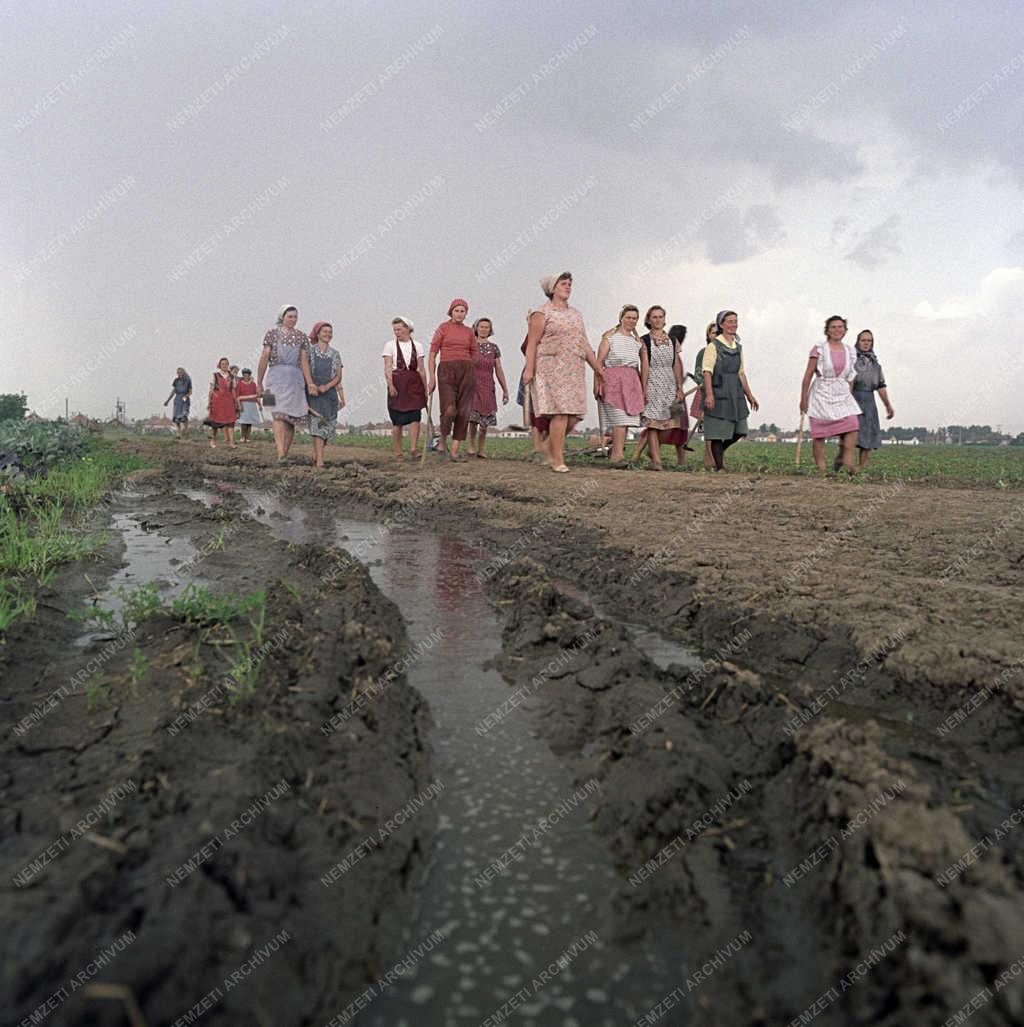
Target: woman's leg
556 439
414 438
847 446
680 455
709 460
213 438
472 437
645 440
318 451
864 454
278 427
446 402
618 444
289 435
718 453
465 388
654 446
396 440
229 434
482 442
818 451
246 430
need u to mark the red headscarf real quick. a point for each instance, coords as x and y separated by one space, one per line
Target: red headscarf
457 303
315 330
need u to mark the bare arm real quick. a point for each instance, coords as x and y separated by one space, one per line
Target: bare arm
499 371
889 412
341 389
746 392
532 338
169 398
677 371
433 371
307 373
709 392
645 369
389 365
805 385
261 370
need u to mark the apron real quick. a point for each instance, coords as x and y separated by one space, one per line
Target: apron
407 380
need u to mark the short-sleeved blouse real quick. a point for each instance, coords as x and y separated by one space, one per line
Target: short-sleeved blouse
286 345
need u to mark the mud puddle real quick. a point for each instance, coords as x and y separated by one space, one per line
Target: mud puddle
520 882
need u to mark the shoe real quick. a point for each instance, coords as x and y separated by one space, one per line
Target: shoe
560 469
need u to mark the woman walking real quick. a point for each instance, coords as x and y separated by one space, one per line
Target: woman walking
484 414
697 404
726 390
325 367
181 393
556 350
825 394
223 404
405 373
624 361
664 388
249 403
284 366
868 381
455 345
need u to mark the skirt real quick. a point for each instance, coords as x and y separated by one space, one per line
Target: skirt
250 413
869 429
484 420
287 384
181 405
322 427
403 417
720 429
821 429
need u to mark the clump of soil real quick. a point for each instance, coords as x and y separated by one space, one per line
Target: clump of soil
168 808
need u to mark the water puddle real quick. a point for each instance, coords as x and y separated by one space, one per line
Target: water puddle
511 897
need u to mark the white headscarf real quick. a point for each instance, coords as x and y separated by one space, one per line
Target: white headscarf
404 320
284 310
548 283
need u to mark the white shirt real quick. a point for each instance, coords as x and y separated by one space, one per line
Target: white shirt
390 350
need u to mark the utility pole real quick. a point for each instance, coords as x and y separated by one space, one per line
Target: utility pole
67 419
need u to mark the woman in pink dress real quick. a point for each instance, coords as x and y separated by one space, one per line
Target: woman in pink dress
556 350
484 414
826 393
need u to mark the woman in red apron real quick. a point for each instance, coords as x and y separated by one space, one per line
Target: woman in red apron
405 372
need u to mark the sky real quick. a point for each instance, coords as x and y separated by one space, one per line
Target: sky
174 173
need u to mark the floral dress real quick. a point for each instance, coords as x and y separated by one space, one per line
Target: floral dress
485 400
284 376
560 381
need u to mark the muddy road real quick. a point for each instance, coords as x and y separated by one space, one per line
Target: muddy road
608 747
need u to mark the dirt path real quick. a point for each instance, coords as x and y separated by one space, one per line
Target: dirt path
834 799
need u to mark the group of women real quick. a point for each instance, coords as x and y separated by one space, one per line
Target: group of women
638 381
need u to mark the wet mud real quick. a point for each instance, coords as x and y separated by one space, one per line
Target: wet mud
821 803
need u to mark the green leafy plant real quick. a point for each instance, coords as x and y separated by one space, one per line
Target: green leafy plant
96 691
138 668
199 607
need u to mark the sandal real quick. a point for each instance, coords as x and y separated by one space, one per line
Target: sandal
560 469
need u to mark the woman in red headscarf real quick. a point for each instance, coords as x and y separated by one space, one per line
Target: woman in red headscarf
223 403
455 380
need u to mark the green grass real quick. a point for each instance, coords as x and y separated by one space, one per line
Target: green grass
42 519
992 466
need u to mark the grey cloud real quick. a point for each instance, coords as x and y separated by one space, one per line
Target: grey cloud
732 235
878 244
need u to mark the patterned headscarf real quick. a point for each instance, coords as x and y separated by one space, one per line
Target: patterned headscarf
457 303
284 310
867 354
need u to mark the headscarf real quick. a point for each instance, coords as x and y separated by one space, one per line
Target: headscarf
315 330
404 320
677 333
284 310
548 282
457 303
867 354
720 317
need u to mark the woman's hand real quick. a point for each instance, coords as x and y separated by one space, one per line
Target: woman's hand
431 385
754 405
527 374
312 389
890 414
341 400
803 406
166 401
680 394
709 401
504 399
392 391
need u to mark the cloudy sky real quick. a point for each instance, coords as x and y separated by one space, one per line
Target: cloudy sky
175 173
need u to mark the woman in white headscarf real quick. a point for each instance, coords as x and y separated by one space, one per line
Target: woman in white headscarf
285 373
556 350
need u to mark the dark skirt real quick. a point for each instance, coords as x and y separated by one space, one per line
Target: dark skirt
403 417
869 429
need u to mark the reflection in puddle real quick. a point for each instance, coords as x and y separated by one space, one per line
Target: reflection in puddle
553 884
